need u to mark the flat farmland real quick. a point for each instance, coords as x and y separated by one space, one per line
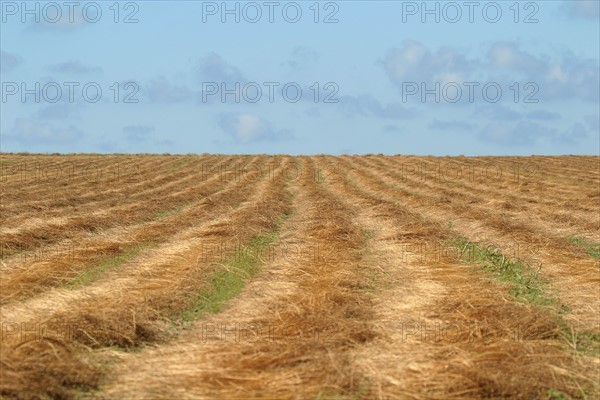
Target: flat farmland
299 277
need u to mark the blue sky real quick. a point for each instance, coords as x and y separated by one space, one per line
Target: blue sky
305 77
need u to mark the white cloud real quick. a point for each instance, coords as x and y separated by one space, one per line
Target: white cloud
31 132
451 125
74 67
302 57
367 105
413 62
161 90
247 127
521 134
61 110
543 115
213 68
137 132
9 61
563 76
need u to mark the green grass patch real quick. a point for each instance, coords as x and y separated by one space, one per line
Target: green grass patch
525 283
93 273
556 395
167 213
528 288
400 188
368 233
181 164
335 175
7 161
591 248
583 342
227 283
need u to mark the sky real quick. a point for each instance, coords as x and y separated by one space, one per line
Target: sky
305 77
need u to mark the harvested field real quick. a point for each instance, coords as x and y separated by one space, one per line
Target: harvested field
299 277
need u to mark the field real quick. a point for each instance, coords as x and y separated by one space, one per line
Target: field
280 277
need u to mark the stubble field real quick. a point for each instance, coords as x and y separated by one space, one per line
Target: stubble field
280 277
